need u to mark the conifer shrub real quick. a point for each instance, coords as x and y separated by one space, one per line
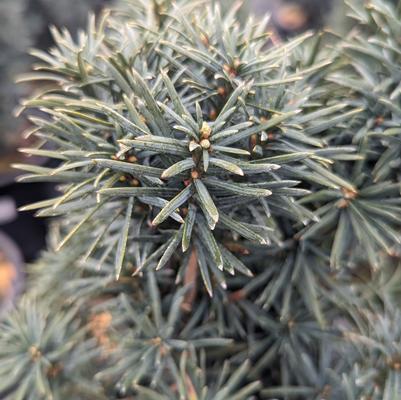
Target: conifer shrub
229 212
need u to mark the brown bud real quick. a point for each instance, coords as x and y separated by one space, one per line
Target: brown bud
35 353
163 350
343 203
213 114
205 144
236 248
230 70
54 371
253 140
349 194
204 39
397 366
99 326
206 130
326 392
195 174
157 341
237 295
379 120
221 91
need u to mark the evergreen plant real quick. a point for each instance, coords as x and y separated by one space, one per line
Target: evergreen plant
229 219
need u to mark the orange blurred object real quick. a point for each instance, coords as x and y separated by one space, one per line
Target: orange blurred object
291 17
8 274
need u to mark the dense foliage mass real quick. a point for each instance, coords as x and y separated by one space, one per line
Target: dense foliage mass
229 217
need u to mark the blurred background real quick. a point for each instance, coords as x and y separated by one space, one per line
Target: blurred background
24 24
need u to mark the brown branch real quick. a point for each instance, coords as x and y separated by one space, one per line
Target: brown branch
190 279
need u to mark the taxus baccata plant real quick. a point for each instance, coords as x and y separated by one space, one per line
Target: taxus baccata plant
221 232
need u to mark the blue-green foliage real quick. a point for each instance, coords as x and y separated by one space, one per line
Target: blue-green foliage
229 215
